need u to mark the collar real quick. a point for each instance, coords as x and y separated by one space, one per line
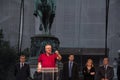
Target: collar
70 61
106 65
48 54
22 63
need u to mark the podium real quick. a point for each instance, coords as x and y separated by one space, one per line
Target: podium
49 73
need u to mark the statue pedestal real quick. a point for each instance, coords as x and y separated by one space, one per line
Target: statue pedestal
38 43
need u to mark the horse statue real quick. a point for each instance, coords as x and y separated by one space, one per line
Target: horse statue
45 9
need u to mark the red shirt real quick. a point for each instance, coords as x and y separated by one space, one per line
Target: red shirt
48 61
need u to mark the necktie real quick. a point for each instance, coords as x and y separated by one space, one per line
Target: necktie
22 64
70 69
105 71
105 67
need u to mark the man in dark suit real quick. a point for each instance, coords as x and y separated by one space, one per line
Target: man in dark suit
118 71
70 69
105 72
22 70
118 67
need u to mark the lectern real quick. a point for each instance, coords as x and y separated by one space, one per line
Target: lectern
49 73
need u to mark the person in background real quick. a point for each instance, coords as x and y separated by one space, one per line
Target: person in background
118 67
70 69
118 72
22 69
89 70
105 72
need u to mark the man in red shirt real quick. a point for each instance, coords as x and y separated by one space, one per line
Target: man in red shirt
48 59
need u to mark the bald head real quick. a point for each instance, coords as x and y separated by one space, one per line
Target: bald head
48 48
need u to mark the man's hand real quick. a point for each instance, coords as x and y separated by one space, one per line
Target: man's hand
102 79
92 73
59 56
57 52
